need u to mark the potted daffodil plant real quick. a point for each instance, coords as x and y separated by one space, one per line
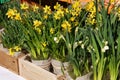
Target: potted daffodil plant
35 36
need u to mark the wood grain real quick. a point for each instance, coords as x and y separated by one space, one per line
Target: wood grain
30 71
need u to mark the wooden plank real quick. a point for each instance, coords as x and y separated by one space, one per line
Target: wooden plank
8 61
30 71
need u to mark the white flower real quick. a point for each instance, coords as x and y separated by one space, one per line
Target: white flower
76 30
80 42
91 66
105 48
82 46
96 28
75 45
106 42
56 39
115 47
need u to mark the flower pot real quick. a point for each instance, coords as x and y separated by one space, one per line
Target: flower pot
45 64
68 77
59 67
85 77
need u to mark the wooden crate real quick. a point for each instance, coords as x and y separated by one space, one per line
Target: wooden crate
8 61
30 71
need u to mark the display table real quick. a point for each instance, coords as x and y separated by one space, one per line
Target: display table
5 74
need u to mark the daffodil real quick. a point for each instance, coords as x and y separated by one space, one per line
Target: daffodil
44 44
51 30
72 18
45 16
17 48
76 9
113 1
58 14
66 26
91 16
10 13
11 51
90 20
24 6
37 23
76 23
82 46
56 39
89 6
17 16
76 4
57 6
74 13
35 7
66 10
118 11
47 10
105 48
38 30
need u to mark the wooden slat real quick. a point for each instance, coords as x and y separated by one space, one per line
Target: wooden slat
9 61
30 71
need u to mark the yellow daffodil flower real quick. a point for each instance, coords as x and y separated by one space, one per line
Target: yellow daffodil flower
38 30
76 8
57 6
37 23
72 18
74 13
66 26
76 4
44 44
11 51
51 30
76 23
47 9
45 16
66 10
17 16
35 8
118 11
58 14
24 6
89 6
90 19
91 16
113 1
10 13
17 48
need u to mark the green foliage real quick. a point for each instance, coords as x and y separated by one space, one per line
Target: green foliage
103 41
13 34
